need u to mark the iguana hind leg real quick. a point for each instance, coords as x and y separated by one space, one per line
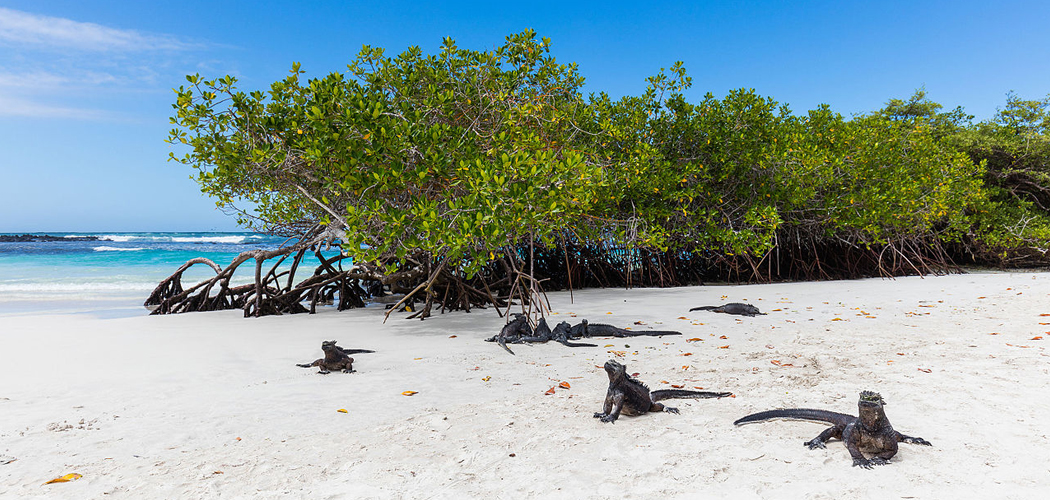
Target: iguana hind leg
834 432
662 407
912 440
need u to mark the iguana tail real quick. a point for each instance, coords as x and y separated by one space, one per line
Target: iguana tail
798 414
647 333
355 351
575 344
502 341
704 308
685 394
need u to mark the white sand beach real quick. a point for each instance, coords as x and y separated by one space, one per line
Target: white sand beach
211 405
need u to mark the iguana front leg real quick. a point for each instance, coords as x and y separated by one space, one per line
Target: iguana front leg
852 438
613 406
606 407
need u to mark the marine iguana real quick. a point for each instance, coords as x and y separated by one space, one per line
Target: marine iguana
512 332
560 334
871 432
632 397
518 331
732 308
585 329
335 359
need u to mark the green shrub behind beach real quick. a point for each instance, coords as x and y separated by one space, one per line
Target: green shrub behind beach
464 159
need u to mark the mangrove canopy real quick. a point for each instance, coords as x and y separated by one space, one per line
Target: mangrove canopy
470 178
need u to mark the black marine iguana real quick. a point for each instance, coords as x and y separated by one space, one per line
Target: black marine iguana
518 331
870 432
585 329
335 358
512 332
632 397
561 334
732 308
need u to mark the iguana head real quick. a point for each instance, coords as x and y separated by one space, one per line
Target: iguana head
330 348
615 369
870 410
871 398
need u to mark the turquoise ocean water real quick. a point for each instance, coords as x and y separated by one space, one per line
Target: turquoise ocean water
113 273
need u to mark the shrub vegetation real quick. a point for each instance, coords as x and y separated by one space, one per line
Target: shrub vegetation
470 178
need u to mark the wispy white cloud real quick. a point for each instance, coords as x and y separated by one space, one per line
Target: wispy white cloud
31 30
59 68
14 107
44 80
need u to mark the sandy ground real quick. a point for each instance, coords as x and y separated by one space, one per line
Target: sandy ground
212 405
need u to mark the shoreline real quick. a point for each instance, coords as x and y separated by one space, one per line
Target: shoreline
211 404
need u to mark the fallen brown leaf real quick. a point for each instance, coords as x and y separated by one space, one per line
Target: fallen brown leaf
65 479
409 393
549 392
687 354
564 385
677 386
925 370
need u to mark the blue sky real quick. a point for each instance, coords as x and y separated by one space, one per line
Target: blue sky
85 86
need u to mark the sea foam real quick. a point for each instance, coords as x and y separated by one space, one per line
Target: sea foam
208 239
117 249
